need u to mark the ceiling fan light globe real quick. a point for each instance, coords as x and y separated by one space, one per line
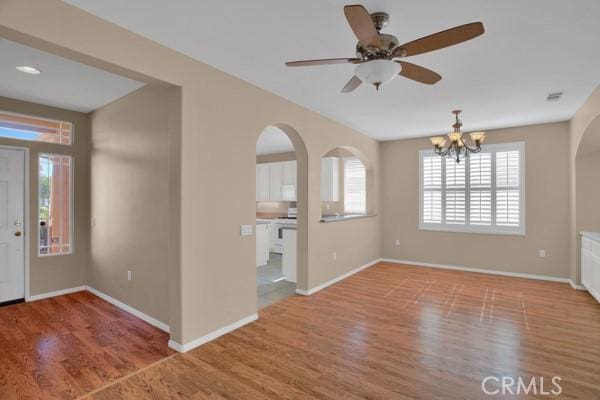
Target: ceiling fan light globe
377 72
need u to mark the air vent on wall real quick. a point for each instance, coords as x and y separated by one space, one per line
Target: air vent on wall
554 96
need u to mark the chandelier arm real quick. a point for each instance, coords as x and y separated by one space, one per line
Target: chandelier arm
471 149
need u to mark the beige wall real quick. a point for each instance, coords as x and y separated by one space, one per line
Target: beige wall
47 274
221 118
547 209
130 201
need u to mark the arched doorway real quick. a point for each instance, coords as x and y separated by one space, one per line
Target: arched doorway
282 213
587 190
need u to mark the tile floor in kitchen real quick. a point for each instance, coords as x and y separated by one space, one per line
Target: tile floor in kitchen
271 284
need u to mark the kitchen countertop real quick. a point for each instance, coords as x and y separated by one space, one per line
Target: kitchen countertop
592 235
335 218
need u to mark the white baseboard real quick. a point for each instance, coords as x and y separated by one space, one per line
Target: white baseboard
336 279
55 293
479 270
576 286
152 321
182 348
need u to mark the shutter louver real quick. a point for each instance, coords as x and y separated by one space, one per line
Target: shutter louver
480 178
355 186
508 201
455 192
432 189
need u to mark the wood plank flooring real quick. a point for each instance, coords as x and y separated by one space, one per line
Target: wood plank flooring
393 332
389 332
67 346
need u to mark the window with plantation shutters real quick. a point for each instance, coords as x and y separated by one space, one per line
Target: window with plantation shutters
484 193
355 186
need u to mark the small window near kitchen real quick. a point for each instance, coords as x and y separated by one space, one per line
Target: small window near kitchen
26 127
55 210
355 186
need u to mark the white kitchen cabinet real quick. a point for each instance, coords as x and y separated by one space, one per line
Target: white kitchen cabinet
590 263
288 262
330 179
276 181
263 182
262 244
289 181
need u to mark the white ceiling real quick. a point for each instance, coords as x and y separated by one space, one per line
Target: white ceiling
63 83
500 79
273 140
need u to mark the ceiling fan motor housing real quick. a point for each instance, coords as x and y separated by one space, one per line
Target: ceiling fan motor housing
387 43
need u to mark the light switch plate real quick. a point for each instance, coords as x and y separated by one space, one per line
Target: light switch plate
246 230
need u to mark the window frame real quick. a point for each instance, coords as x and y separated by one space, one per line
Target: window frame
16 114
364 211
71 208
467 227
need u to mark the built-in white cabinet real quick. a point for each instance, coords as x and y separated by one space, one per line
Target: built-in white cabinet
262 244
289 181
263 177
276 181
330 179
590 263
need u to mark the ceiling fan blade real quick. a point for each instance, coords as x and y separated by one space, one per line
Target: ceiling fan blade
352 84
361 23
326 61
441 39
418 73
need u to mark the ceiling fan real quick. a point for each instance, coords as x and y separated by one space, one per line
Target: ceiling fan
376 53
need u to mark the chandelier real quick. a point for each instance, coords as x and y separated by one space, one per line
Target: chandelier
457 149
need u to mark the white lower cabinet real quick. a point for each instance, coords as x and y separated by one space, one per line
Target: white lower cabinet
590 263
262 244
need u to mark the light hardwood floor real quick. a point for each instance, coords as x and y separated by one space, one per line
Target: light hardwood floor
67 346
393 332
389 332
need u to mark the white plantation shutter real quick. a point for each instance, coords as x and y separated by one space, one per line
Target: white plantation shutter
508 203
355 186
483 193
480 178
432 189
456 188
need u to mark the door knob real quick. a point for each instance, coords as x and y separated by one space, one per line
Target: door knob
18 233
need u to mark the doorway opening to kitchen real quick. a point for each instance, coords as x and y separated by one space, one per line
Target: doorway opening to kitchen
281 176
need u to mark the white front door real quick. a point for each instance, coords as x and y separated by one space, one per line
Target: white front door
12 242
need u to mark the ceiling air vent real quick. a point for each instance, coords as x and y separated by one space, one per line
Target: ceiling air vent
554 96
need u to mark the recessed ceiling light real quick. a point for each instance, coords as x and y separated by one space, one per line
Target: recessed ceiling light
29 70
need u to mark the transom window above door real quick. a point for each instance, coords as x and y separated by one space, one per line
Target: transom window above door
485 193
37 129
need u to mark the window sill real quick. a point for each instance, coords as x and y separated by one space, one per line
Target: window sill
479 231
336 218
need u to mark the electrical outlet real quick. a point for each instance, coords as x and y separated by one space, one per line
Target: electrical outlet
327 206
334 255
542 252
397 242
93 222
246 230
129 275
